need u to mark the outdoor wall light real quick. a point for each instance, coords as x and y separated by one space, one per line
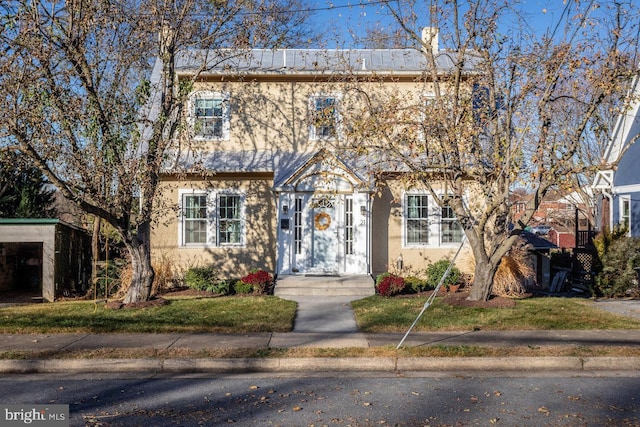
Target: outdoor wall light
363 209
285 209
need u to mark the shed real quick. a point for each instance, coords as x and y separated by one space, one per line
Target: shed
539 249
43 258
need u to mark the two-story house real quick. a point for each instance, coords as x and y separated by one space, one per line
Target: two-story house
618 182
273 192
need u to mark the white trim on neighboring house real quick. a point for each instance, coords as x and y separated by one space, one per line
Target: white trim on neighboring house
225 128
213 218
433 221
623 189
624 215
603 180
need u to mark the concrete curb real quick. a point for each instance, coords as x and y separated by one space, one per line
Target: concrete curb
315 364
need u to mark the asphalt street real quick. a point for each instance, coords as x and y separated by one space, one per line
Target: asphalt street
337 400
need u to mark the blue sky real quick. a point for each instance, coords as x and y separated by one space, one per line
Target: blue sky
340 19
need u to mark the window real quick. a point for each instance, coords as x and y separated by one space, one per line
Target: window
324 117
195 219
211 219
297 226
348 226
427 224
450 229
417 219
230 221
210 115
625 213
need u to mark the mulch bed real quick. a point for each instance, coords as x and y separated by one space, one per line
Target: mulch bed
458 299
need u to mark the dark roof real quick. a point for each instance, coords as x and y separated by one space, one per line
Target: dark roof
537 242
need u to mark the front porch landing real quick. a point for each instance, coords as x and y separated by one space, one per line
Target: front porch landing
298 285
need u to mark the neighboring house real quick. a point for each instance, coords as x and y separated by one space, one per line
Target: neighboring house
618 182
558 217
274 193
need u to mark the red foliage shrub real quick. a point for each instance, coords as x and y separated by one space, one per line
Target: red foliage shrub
260 279
389 285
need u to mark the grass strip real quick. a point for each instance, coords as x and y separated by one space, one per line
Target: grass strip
431 351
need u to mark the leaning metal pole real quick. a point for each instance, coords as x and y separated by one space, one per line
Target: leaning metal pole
435 291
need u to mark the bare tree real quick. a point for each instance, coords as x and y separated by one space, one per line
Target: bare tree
511 108
74 79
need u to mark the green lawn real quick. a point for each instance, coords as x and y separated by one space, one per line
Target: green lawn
225 314
271 314
378 314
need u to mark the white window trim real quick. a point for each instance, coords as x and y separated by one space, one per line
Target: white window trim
338 116
440 234
181 218
625 199
434 221
243 220
405 217
213 219
226 114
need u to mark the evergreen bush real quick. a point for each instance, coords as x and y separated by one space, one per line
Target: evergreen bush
206 279
436 270
618 277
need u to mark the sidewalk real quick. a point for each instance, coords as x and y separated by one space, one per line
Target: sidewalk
59 343
322 324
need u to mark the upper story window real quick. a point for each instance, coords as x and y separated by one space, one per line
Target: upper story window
325 117
210 115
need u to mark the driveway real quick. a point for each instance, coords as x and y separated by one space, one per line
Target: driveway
630 308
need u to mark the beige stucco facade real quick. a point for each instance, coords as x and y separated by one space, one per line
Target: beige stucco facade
256 250
306 207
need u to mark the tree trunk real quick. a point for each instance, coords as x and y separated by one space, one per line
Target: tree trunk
142 273
482 280
95 251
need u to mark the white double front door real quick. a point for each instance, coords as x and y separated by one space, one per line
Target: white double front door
323 234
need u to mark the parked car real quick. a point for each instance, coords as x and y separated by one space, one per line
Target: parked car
540 230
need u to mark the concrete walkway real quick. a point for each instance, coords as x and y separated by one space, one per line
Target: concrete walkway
322 321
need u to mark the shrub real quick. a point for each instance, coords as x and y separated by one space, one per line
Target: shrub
618 277
242 288
515 273
415 284
205 279
388 284
112 279
261 281
164 277
436 270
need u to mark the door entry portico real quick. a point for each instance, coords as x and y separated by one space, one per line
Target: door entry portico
324 219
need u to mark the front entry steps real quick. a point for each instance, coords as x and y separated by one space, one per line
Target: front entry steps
294 285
